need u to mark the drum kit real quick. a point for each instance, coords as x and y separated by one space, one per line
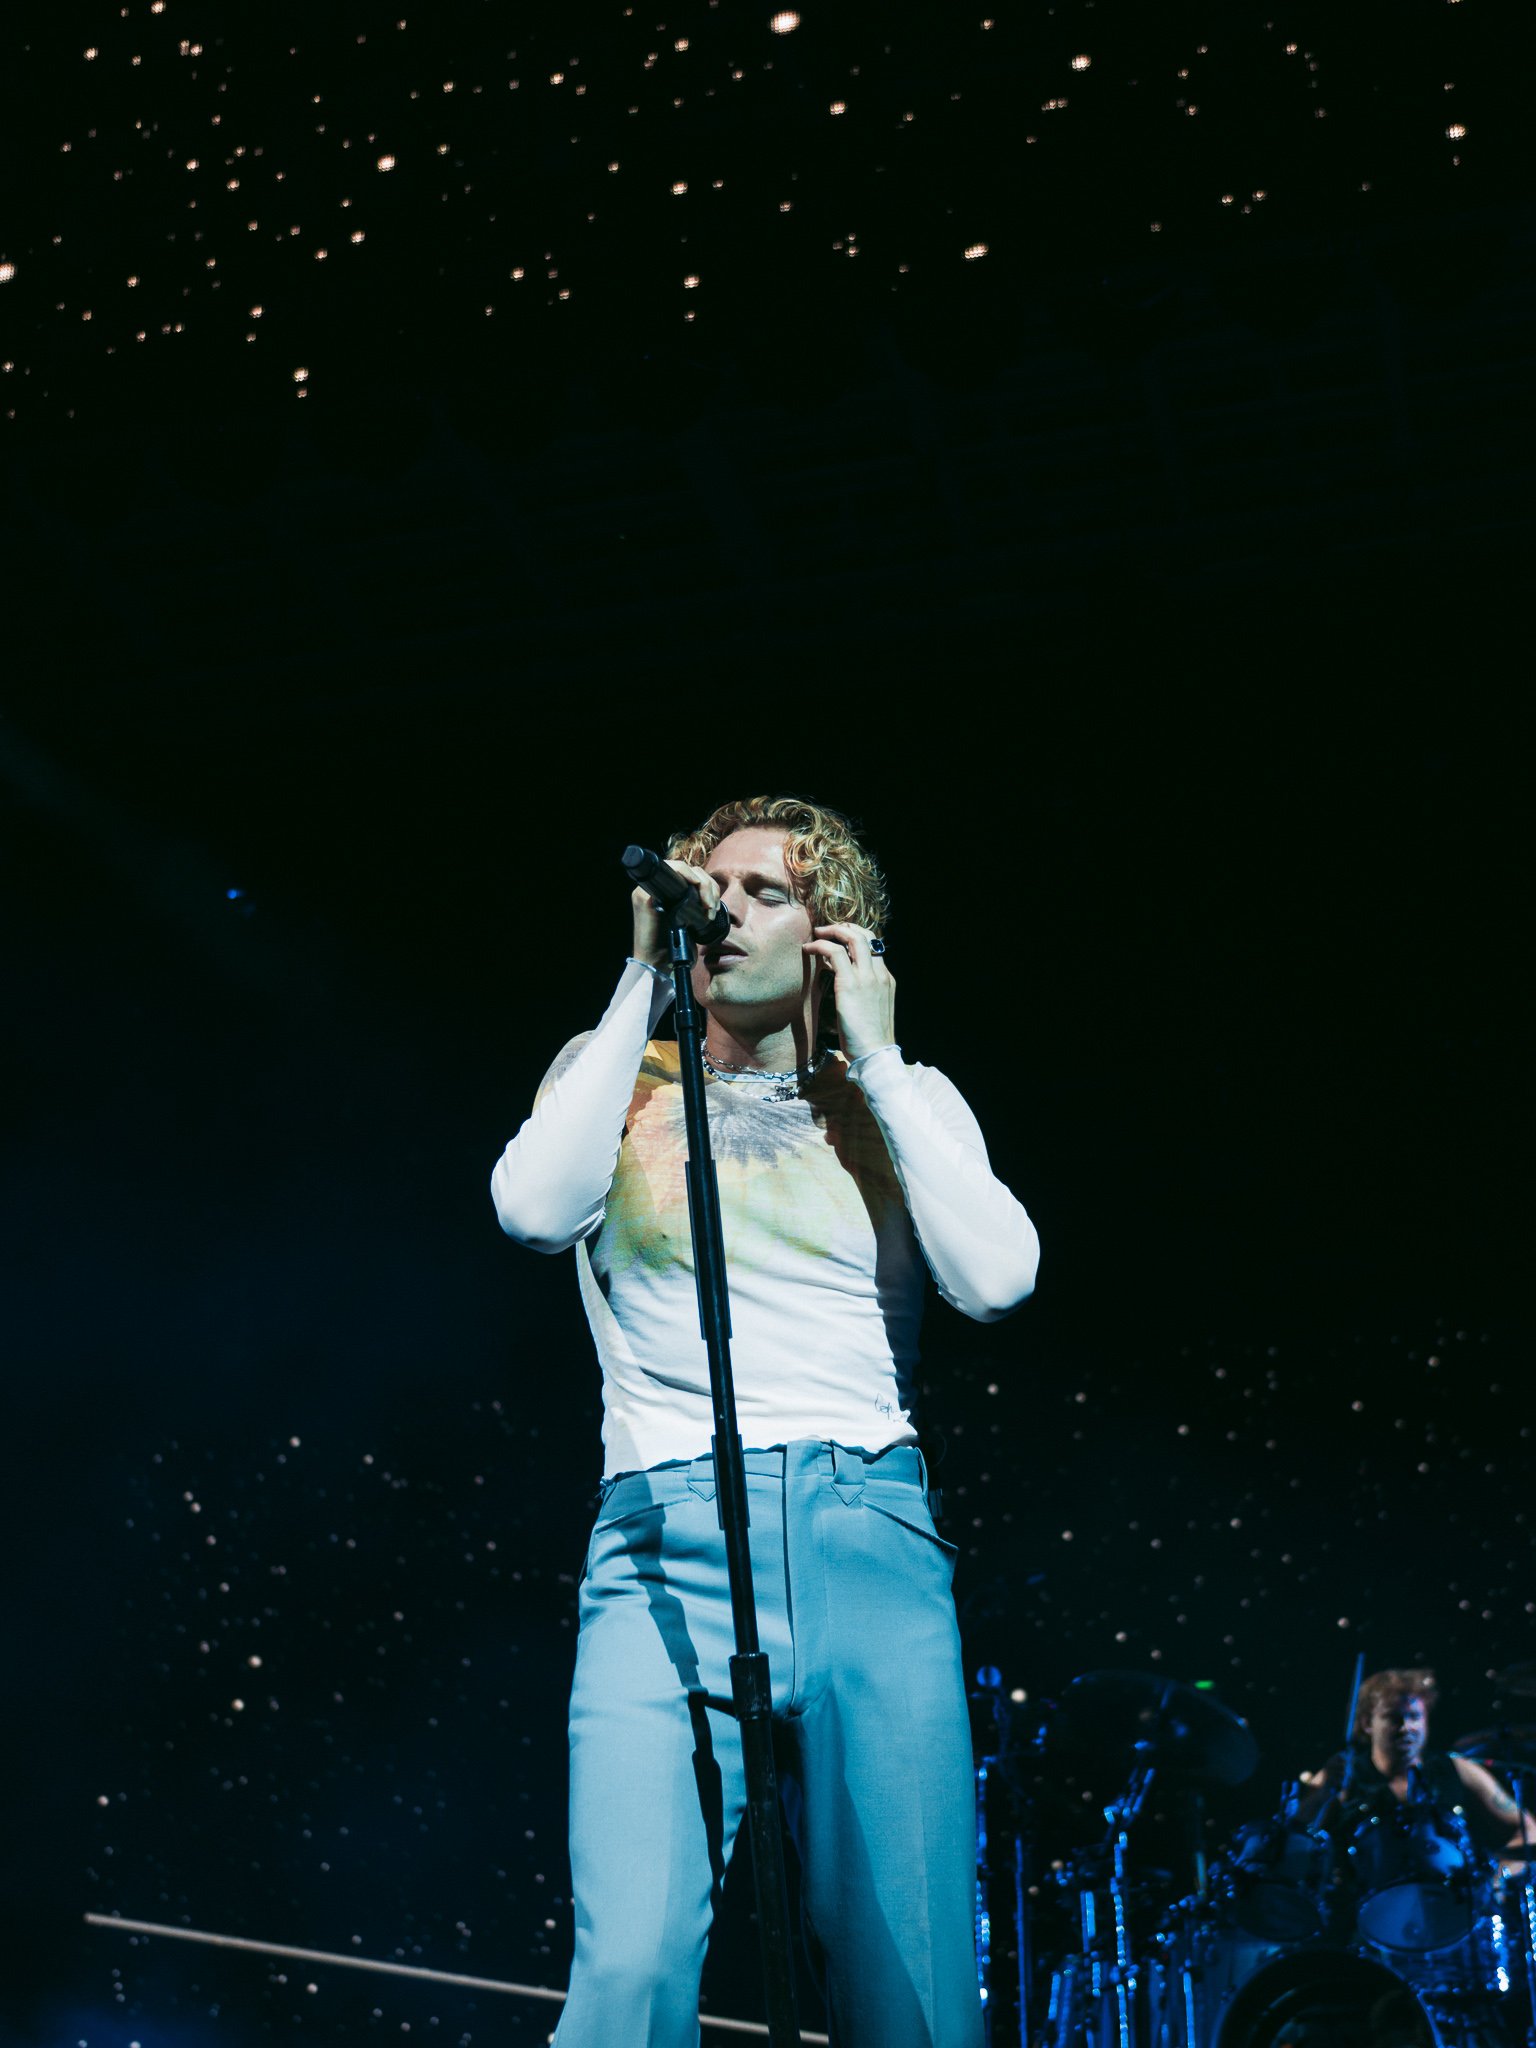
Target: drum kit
1332 1923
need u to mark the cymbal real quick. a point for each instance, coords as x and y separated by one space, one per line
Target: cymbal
1136 1715
1505 1748
1517 1678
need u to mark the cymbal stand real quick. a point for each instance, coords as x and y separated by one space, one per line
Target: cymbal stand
993 1762
1121 1815
1527 1909
1023 1867
1171 2007
1078 1974
1105 1958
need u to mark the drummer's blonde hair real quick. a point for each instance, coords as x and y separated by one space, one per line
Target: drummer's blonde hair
1403 1682
834 875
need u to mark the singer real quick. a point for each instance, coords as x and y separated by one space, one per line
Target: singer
847 1175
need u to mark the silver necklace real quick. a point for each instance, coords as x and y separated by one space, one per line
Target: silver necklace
783 1087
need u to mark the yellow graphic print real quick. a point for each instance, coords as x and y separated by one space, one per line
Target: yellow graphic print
811 1176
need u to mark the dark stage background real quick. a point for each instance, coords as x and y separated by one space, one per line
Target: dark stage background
1155 597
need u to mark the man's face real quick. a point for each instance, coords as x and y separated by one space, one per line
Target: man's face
1399 1729
758 973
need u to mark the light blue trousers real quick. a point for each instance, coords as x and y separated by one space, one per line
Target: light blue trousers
856 1615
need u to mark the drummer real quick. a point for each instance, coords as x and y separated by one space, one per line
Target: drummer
1392 1755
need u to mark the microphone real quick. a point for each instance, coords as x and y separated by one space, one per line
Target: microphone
680 899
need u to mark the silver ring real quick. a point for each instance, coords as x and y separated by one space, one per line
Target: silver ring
877 945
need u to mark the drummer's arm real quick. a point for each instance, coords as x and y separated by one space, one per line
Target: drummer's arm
1485 1788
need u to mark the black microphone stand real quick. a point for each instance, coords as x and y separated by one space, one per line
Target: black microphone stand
751 1686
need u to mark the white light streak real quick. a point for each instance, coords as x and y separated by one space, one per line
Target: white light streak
542 1992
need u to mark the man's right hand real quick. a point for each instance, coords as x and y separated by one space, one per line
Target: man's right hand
650 944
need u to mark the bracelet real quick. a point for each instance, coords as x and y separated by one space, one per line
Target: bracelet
660 973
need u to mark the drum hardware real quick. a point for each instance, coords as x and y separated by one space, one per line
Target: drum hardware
1413 1869
1273 1881
1516 1887
1184 1942
1394 1933
1525 1887
1326 1994
1120 1814
1508 1747
1095 1990
992 1728
1269 1895
1238 1990
1122 1717
1144 1726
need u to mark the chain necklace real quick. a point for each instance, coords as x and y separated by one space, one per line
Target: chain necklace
784 1087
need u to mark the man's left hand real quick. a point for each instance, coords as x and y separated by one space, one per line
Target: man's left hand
864 987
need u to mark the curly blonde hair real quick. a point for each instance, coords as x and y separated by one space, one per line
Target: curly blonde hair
1405 1682
835 877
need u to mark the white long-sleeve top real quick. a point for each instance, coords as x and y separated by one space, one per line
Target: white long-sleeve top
830 1205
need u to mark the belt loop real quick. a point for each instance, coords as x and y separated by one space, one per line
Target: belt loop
847 1476
701 1476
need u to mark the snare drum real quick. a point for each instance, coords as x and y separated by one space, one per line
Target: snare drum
1413 1878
